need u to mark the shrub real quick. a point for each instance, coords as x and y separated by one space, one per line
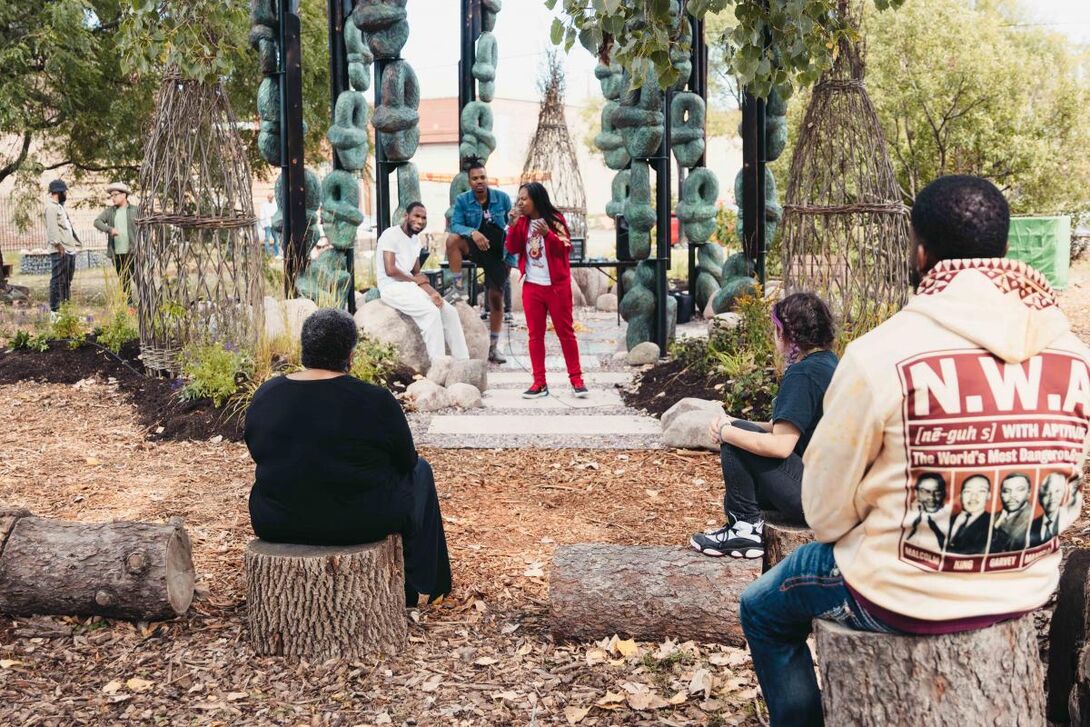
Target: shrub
118 331
742 360
374 361
68 326
213 371
726 233
28 341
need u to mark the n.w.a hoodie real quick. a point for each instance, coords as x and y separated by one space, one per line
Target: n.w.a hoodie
953 442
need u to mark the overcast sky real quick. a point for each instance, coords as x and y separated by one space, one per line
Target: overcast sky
522 31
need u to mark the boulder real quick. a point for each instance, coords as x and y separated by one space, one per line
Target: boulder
469 371
577 299
689 404
440 369
643 354
516 290
592 282
296 311
475 330
465 396
727 321
384 324
428 395
606 302
690 431
276 325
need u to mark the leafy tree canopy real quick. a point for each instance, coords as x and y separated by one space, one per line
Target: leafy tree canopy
773 44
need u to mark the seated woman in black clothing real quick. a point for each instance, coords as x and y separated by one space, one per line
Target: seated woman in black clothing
762 463
336 463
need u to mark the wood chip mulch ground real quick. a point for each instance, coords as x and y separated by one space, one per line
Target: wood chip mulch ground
78 452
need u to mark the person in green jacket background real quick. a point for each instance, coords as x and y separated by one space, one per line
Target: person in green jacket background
118 221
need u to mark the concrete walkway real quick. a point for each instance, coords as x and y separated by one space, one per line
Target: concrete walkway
560 420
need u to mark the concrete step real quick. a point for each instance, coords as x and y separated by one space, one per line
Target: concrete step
560 397
521 379
573 425
552 363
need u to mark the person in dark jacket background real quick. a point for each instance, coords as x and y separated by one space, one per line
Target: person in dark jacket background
336 463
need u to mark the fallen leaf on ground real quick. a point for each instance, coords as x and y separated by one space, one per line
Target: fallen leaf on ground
644 701
575 715
535 570
486 661
112 687
597 656
611 700
8 663
701 682
138 685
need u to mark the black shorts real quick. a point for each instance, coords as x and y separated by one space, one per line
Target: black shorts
491 261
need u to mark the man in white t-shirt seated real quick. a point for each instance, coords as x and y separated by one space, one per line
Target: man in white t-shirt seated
403 288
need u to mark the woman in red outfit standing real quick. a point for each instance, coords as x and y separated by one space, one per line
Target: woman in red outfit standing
539 236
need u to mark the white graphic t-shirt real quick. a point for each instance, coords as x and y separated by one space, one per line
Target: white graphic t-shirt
406 251
537 263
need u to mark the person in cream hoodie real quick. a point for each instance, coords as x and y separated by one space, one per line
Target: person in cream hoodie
977 379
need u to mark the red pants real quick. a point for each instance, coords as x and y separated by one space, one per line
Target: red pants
537 300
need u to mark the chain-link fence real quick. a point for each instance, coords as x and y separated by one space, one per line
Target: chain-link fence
12 239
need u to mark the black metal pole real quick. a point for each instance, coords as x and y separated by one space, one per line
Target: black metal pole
471 31
339 11
292 163
753 181
698 84
663 226
383 166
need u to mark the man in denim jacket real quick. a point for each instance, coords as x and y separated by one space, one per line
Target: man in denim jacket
477 231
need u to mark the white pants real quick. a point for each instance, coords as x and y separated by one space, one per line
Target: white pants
439 326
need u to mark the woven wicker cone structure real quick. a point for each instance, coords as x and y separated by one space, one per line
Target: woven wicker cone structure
845 228
198 267
551 159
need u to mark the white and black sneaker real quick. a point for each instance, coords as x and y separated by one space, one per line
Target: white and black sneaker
740 539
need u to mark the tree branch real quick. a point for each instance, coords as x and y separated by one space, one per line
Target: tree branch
9 169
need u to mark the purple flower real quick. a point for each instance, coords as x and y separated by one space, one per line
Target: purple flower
229 346
90 319
176 384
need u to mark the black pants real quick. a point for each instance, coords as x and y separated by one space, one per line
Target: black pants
123 265
60 281
506 296
427 563
755 483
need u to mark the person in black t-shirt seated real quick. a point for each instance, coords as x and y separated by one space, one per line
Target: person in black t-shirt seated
336 464
762 462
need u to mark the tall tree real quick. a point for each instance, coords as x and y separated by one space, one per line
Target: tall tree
978 90
63 95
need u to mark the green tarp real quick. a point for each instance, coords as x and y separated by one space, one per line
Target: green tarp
1044 243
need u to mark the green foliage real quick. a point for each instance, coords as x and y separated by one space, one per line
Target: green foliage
63 100
68 326
781 45
198 38
970 88
742 360
374 361
726 232
27 341
214 371
118 331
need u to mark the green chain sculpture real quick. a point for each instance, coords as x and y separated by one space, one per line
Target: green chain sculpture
408 189
348 134
639 210
638 305
359 58
639 118
687 111
268 111
398 116
475 119
386 25
738 272
615 207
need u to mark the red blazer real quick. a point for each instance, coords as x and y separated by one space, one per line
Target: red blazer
557 248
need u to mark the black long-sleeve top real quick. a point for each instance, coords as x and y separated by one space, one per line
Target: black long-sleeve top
331 455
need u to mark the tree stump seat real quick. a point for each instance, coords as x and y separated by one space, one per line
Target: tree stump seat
990 676
325 602
782 538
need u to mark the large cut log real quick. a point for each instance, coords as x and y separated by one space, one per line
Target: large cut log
646 592
988 677
326 602
782 538
127 570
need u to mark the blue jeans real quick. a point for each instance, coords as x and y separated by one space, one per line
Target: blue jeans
273 249
777 611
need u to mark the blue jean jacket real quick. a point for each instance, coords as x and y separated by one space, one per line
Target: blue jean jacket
468 215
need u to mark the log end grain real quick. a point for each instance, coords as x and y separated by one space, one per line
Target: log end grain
180 573
326 602
989 676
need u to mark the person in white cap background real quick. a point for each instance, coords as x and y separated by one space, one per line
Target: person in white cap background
63 245
118 221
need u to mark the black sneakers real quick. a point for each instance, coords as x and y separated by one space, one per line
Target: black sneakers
494 356
536 392
580 392
738 539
